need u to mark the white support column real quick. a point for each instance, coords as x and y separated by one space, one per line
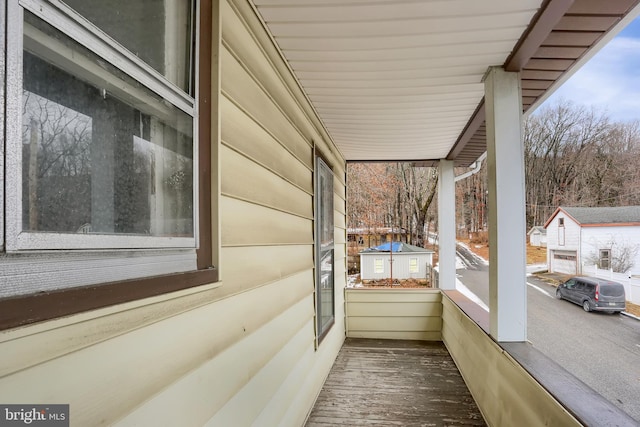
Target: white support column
507 226
446 225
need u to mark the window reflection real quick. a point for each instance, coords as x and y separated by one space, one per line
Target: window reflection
100 154
157 31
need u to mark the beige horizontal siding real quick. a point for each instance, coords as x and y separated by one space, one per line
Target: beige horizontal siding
241 87
244 135
248 267
249 224
339 220
395 309
393 295
109 379
398 335
340 236
494 379
266 351
244 179
339 186
315 371
339 252
273 74
339 270
274 413
394 314
42 342
427 321
264 384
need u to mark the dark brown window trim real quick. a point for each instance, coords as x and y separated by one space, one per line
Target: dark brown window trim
205 249
24 310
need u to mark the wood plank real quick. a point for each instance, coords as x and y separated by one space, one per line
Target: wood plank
391 382
609 7
531 74
536 84
528 93
572 38
562 52
586 22
549 64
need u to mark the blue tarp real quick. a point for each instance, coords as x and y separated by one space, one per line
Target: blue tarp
385 247
397 247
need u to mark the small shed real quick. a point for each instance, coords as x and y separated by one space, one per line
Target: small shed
409 262
538 236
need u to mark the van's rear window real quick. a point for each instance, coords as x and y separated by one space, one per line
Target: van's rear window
612 290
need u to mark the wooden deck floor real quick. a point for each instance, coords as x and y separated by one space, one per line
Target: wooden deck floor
394 383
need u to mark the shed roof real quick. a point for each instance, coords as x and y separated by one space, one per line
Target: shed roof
537 228
397 247
601 216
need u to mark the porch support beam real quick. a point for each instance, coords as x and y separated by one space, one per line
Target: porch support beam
446 225
507 227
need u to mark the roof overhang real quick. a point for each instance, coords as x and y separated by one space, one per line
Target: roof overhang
402 80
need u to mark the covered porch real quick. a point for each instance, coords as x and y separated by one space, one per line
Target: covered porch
425 357
439 84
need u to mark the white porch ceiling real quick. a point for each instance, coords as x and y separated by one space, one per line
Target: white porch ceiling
401 79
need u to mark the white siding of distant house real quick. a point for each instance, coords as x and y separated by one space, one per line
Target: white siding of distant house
401 263
537 238
238 352
556 243
596 238
534 238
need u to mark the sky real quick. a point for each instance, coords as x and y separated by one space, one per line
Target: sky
610 81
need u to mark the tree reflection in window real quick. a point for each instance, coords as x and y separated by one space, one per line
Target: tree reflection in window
56 165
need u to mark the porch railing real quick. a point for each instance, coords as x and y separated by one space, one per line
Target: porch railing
503 386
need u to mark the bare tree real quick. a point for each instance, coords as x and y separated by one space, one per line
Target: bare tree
622 255
391 195
578 157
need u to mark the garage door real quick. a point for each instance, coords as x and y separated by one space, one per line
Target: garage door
563 262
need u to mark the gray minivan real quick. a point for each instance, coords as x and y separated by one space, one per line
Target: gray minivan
593 294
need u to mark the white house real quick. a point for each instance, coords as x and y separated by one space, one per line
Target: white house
537 236
607 236
409 262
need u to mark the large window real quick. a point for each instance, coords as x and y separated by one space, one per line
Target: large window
101 143
99 150
325 305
